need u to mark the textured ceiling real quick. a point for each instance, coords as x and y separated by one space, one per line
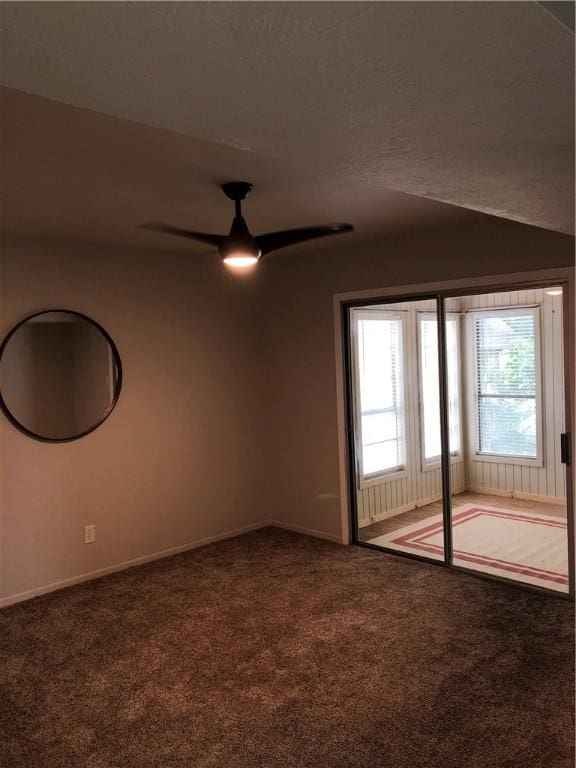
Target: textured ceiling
328 107
76 174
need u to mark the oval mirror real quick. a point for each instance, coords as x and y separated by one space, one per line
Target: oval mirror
60 375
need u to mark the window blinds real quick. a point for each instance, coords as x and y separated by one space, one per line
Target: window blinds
380 360
505 351
429 384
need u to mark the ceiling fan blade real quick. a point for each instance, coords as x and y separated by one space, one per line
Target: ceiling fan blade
274 240
168 229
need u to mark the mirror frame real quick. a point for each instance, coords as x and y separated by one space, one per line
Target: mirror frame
115 354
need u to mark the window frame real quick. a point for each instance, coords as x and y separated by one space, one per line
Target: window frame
394 473
472 389
435 462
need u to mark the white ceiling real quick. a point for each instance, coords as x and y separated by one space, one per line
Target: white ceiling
328 106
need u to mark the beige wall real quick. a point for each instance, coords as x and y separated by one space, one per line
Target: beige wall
177 460
303 473
228 411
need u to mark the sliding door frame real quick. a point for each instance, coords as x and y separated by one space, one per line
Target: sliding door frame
445 458
352 448
344 303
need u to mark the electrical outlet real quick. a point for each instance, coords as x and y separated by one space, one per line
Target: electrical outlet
89 534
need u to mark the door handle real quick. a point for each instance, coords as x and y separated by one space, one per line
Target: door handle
566 448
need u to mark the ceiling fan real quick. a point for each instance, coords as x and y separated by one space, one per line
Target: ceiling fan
241 249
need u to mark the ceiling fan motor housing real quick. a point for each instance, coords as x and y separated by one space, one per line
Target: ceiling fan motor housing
237 190
240 240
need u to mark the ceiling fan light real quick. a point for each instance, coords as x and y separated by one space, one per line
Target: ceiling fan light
240 260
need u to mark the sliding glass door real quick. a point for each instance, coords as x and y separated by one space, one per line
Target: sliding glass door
397 433
456 406
512 520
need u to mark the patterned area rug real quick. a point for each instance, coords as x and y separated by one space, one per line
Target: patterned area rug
519 545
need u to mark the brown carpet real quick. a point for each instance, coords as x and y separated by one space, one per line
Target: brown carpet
277 650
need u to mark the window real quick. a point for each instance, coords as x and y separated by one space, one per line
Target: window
506 383
429 385
380 392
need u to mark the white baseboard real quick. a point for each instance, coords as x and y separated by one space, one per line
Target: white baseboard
387 513
517 495
489 491
306 531
89 576
536 497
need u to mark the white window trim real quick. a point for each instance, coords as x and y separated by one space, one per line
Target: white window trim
435 462
394 473
473 431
